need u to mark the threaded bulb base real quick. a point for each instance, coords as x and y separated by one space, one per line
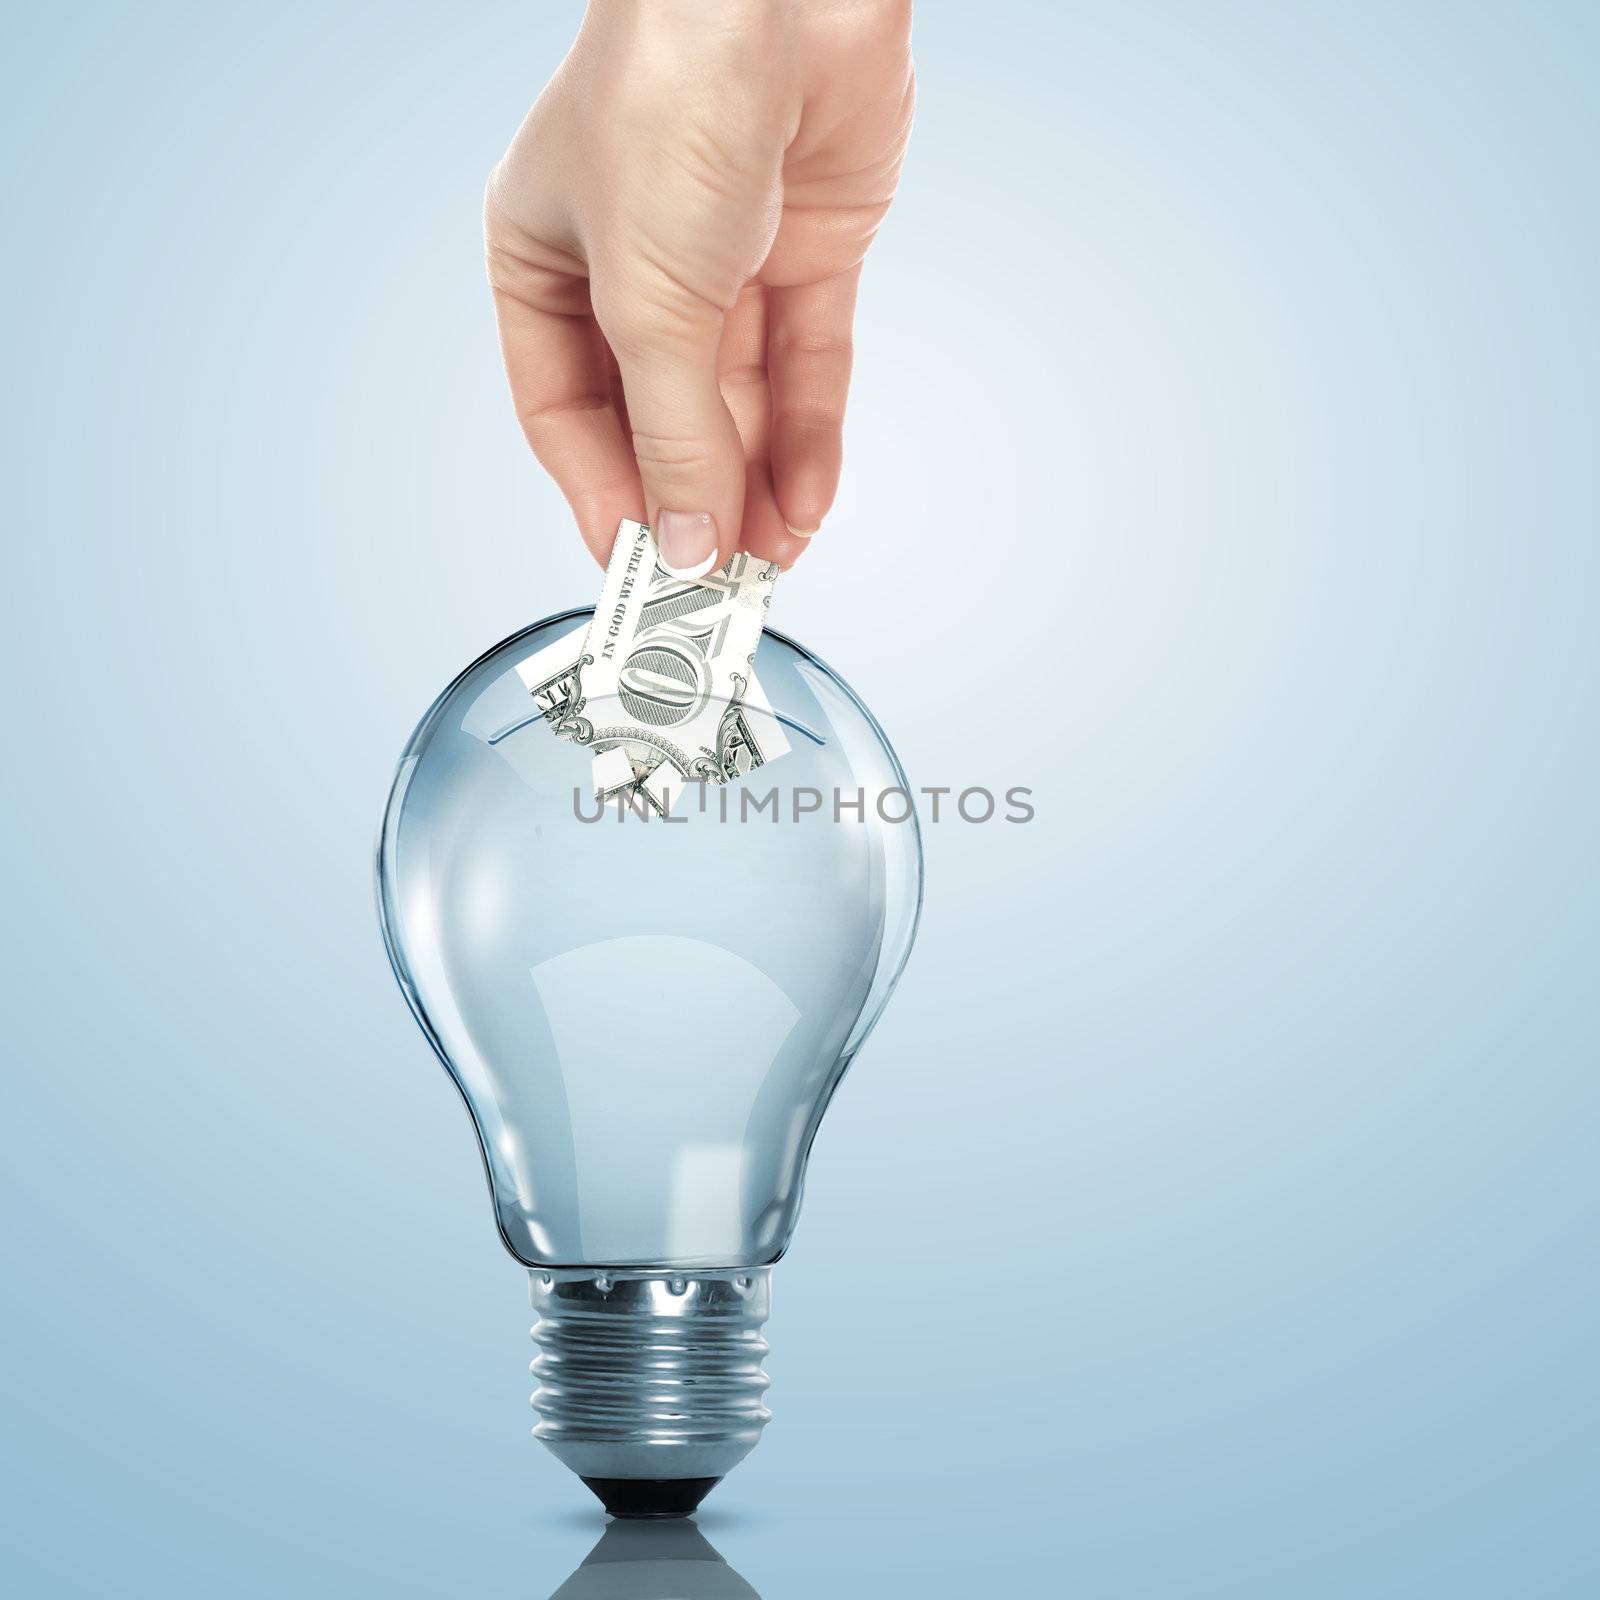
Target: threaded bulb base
650 1383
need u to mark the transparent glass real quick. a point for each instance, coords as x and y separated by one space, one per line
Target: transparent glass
646 1016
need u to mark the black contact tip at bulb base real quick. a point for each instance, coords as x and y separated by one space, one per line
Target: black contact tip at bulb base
642 1498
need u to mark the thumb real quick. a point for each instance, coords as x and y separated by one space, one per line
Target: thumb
691 461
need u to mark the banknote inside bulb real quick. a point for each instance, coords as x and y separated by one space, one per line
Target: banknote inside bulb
662 688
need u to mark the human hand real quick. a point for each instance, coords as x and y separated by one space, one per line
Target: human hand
674 241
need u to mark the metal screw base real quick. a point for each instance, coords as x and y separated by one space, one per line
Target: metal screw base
650 1377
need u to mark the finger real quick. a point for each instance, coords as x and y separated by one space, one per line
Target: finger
808 360
765 535
689 457
742 375
556 364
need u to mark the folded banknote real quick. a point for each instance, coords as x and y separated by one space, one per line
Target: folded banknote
663 687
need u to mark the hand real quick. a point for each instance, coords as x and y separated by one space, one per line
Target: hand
674 240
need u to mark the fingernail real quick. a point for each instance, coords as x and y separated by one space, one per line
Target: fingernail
687 541
802 533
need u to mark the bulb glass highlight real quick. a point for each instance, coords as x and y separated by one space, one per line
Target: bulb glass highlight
647 1016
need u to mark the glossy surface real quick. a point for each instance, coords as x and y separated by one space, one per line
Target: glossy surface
646 1015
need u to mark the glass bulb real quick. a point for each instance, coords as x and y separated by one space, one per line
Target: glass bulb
646 1016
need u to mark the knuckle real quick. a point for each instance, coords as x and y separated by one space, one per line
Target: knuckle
816 422
640 319
743 376
538 416
823 346
673 460
645 305
630 329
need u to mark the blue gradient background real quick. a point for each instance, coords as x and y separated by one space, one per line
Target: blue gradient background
1214 1212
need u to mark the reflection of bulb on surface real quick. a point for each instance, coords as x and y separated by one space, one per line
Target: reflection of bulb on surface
654 1561
647 1018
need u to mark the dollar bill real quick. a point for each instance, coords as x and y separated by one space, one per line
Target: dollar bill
663 688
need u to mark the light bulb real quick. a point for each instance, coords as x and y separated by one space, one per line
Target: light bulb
647 1017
